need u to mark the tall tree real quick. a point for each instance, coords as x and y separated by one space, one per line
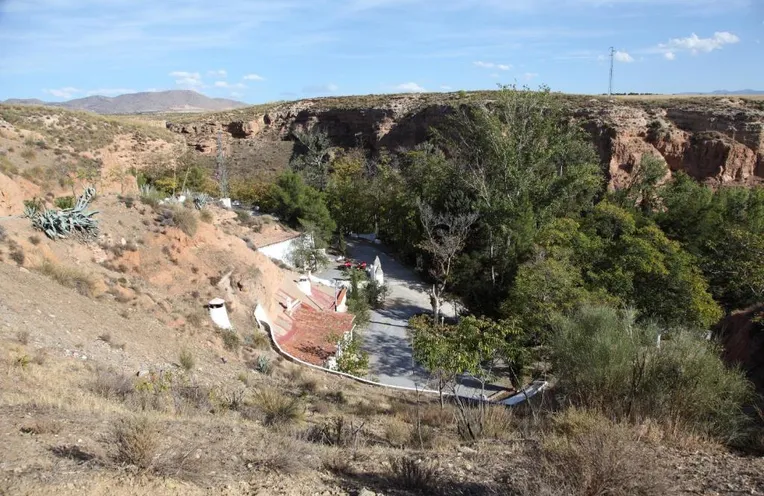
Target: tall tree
445 235
301 206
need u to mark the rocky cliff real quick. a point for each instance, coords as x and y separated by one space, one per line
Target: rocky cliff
720 140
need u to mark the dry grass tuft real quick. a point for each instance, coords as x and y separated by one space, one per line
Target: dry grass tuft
135 441
594 456
42 426
23 337
70 277
277 409
111 385
283 454
187 360
397 432
412 474
206 216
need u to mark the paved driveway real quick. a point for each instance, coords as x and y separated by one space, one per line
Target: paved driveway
386 339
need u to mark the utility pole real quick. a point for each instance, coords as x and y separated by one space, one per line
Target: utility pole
222 171
612 58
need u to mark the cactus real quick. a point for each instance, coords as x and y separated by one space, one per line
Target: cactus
59 224
201 200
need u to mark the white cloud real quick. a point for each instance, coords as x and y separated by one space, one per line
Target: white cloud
409 88
253 77
67 92
109 91
236 94
695 44
530 75
188 79
669 56
491 65
445 87
225 84
220 73
623 57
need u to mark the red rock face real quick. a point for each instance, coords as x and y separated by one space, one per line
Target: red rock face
713 140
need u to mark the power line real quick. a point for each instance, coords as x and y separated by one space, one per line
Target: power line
612 58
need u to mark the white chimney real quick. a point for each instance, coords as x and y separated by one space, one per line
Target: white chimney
304 284
219 314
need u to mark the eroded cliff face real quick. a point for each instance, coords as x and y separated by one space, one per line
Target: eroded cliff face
719 140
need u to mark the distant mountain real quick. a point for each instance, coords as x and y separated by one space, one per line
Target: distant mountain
738 92
727 92
139 103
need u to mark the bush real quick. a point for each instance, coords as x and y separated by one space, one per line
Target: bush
35 239
608 362
135 442
70 277
281 454
187 360
111 385
185 220
336 432
151 196
231 340
17 255
3 234
257 340
263 365
397 432
28 154
596 457
206 216
277 409
410 473
64 202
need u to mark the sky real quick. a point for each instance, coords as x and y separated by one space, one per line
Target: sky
266 50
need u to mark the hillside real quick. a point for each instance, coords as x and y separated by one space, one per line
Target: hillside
115 380
139 103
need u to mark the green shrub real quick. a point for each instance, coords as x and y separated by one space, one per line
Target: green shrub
64 202
257 340
263 365
28 154
608 362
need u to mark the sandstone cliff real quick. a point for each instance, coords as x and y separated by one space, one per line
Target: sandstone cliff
719 140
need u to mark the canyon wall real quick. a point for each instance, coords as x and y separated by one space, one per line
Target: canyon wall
718 140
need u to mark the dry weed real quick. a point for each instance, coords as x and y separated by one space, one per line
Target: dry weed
135 441
413 474
70 277
277 409
42 426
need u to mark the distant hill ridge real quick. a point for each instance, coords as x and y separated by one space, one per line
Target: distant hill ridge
137 103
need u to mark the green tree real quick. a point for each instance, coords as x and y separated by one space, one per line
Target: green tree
300 205
642 189
473 346
523 163
637 263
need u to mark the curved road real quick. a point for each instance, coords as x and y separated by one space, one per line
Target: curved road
386 339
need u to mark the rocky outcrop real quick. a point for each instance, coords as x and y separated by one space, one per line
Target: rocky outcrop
742 337
715 140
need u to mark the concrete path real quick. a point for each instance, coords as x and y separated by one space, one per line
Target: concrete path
386 338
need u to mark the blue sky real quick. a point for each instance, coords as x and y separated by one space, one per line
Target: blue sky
265 50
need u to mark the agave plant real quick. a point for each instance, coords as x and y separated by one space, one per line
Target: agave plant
59 224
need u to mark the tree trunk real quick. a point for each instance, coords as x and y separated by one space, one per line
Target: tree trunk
435 302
